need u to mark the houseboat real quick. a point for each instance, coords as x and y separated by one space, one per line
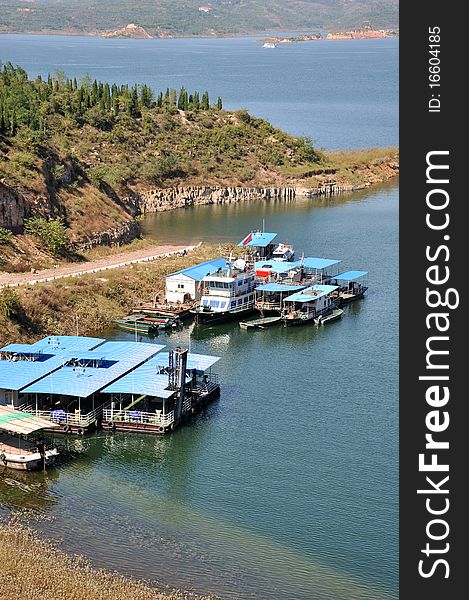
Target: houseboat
18 449
148 324
352 286
270 296
305 306
259 244
227 293
160 394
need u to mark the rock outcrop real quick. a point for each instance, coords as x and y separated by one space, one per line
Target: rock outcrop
14 208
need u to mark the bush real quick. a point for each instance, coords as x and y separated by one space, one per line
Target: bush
52 234
10 304
5 235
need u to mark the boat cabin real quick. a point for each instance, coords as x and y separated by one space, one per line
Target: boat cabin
318 270
184 286
309 303
260 244
352 285
270 296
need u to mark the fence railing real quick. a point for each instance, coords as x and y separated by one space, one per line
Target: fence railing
62 417
112 415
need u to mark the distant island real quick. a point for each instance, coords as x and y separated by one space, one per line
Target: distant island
192 18
356 34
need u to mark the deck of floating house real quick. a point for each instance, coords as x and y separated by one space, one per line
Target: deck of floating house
270 296
146 399
22 365
71 395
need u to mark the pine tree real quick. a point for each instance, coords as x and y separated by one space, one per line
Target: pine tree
219 103
159 102
196 101
205 103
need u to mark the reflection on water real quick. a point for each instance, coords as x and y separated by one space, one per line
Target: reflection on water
287 486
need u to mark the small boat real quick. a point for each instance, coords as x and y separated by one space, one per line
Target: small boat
260 323
269 45
138 324
283 253
16 450
335 315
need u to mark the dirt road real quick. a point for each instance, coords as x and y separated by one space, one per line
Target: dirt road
95 266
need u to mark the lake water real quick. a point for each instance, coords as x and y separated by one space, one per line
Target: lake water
343 94
287 487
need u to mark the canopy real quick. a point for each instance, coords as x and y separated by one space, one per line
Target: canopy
350 275
279 287
15 421
312 293
318 263
258 239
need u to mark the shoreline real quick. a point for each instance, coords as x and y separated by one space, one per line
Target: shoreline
25 556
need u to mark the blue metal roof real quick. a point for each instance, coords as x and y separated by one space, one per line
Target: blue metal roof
276 265
199 271
258 239
311 293
55 344
82 382
279 287
146 381
200 362
318 263
16 374
350 275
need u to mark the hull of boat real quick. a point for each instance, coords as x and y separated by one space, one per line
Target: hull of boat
145 329
207 318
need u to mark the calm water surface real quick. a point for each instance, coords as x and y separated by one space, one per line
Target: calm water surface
343 94
287 486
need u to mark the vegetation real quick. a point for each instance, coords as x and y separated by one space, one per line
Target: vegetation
91 302
52 234
183 18
34 568
5 236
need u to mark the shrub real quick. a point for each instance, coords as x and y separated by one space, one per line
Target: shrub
52 234
10 304
5 235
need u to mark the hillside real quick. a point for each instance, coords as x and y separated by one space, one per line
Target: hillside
81 155
163 18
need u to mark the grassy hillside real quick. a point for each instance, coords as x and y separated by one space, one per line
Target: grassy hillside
183 17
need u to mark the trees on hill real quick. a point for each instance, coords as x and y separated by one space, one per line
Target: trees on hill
27 103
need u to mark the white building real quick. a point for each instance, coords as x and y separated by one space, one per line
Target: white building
184 285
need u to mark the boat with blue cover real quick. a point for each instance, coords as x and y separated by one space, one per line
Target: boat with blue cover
308 304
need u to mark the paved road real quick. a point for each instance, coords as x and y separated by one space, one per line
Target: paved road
95 266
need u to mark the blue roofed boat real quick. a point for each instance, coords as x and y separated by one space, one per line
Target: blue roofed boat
306 305
352 286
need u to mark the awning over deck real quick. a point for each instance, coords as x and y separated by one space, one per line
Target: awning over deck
318 263
279 287
258 239
312 293
350 275
15 421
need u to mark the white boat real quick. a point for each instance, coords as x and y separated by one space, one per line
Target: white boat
16 450
227 293
333 316
269 45
283 253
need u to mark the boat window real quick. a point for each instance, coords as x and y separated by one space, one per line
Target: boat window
233 304
251 297
181 286
240 301
206 302
214 303
240 282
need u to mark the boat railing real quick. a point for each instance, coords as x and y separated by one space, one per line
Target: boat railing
62 417
266 305
112 415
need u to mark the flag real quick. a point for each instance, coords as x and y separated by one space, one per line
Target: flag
247 240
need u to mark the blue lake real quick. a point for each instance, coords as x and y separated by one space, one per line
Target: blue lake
287 487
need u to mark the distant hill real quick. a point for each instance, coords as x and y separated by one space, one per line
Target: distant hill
163 18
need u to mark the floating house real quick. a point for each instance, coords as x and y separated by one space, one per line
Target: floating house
318 270
272 270
161 393
304 306
270 296
259 243
352 285
184 286
71 394
21 365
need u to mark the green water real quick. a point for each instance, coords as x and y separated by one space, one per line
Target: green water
287 486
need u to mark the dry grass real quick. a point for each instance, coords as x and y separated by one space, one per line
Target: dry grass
34 569
93 301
